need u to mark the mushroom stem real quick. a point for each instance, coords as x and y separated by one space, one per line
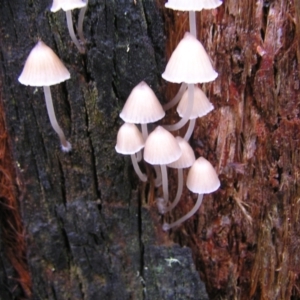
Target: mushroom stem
164 174
167 226
138 156
187 113
193 28
137 169
144 131
161 205
80 22
190 129
71 31
179 191
66 146
177 98
158 179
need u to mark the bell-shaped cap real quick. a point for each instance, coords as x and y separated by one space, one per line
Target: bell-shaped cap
129 140
67 5
189 63
142 106
43 67
192 5
161 148
202 177
187 157
201 105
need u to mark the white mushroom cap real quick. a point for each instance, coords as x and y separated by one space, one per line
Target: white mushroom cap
161 147
142 106
189 63
202 177
43 67
201 105
67 5
129 139
187 157
192 5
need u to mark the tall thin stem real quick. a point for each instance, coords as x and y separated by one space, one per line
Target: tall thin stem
71 31
187 113
144 131
179 191
164 175
137 169
65 145
167 226
190 129
193 28
157 181
80 22
177 98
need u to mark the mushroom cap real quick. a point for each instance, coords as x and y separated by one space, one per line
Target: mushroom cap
201 105
43 67
189 63
202 177
161 148
142 106
67 5
187 157
192 5
129 139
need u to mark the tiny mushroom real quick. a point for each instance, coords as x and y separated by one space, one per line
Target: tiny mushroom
129 142
68 6
161 148
201 107
202 179
44 68
185 161
142 107
189 63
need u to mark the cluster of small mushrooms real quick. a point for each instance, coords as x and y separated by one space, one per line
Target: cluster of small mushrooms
189 65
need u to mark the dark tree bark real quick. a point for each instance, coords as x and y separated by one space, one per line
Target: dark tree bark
92 229
90 233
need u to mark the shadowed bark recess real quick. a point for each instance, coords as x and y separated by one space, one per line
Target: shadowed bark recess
90 233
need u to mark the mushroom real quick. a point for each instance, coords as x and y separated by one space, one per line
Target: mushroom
44 68
189 63
201 107
130 141
161 148
185 161
191 6
68 6
142 107
202 179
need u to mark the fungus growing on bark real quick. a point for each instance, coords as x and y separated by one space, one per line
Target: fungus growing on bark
68 6
185 161
201 107
129 142
189 63
44 68
142 107
161 148
202 179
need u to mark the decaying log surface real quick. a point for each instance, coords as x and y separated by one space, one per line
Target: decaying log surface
92 230
245 238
